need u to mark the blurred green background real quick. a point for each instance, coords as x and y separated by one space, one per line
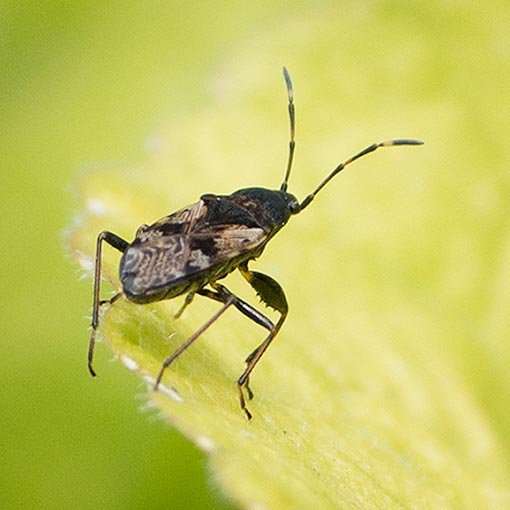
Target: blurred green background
87 85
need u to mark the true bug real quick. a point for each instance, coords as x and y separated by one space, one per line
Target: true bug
189 251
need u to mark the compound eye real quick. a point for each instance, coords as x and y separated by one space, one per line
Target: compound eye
294 207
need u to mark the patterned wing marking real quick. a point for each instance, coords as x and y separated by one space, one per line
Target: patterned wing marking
169 265
180 222
221 244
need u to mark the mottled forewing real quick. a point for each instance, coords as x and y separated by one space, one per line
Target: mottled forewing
214 246
186 242
184 250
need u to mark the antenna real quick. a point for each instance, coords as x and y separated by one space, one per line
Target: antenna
292 117
341 166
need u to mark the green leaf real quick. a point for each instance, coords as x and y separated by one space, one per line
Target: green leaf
388 386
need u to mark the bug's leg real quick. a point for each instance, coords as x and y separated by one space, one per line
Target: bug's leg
223 295
271 293
187 301
168 361
119 244
111 300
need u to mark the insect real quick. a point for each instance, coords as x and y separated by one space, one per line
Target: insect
191 250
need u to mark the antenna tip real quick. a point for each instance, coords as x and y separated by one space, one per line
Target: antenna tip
407 142
288 82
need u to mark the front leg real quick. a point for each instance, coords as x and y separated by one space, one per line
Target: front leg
270 293
222 294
